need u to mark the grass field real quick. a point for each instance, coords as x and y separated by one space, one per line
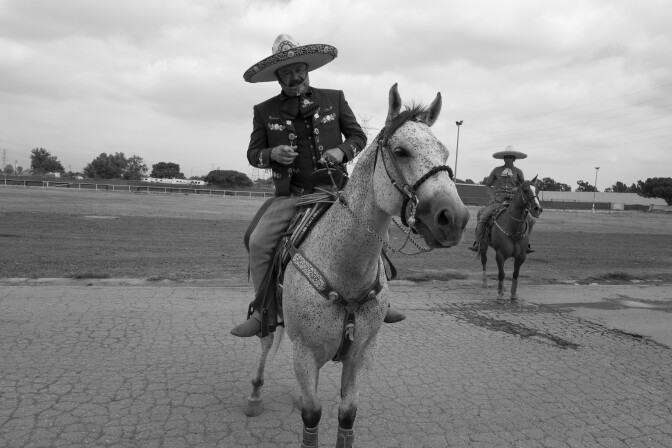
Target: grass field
64 233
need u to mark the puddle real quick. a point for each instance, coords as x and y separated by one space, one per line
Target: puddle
620 304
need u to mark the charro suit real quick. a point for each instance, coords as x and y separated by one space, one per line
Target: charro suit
331 125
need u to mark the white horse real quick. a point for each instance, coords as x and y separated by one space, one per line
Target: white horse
401 173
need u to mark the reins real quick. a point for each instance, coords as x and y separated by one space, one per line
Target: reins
526 212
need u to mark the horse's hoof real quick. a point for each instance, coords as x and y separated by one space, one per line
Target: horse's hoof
484 285
254 407
514 298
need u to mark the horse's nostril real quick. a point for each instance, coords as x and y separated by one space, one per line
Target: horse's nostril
443 220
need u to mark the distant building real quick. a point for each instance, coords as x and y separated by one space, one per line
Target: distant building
156 180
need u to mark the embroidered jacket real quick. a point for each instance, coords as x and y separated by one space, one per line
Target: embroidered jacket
332 125
504 181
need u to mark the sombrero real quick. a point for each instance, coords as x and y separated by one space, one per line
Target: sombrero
286 50
509 151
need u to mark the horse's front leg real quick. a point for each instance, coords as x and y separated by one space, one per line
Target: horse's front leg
518 262
307 371
254 404
354 369
500 276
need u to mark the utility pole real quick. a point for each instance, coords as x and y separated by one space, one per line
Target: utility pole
595 187
457 146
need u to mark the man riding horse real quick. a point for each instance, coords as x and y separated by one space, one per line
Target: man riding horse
500 187
293 134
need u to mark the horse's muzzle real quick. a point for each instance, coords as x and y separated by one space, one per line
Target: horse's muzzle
446 228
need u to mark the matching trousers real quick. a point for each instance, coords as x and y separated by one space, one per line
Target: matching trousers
267 233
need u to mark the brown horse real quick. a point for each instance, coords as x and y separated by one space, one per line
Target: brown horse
509 234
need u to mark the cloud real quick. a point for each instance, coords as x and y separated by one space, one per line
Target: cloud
576 85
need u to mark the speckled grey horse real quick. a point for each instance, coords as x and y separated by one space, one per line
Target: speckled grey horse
402 173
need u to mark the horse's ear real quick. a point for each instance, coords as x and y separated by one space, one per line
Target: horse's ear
395 104
534 181
433 111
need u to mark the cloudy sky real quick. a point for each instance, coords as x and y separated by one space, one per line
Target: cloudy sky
574 84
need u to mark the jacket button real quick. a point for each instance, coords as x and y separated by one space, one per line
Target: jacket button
316 131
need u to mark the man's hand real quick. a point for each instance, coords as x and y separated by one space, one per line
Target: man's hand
284 154
333 156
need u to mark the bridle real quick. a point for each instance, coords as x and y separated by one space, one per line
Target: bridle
527 203
407 190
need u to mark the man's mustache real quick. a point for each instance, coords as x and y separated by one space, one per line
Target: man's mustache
296 81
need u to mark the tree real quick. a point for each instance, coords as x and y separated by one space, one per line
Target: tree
19 169
460 181
106 166
636 188
135 168
116 166
42 161
228 179
584 186
264 183
657 187
618 187
9 169
549 184
166 170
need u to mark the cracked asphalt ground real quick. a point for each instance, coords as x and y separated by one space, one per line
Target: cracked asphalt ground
153 365
146 360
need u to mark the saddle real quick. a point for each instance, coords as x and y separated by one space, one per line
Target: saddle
268 298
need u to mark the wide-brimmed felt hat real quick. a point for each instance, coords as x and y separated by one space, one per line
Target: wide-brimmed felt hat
286 50
509 151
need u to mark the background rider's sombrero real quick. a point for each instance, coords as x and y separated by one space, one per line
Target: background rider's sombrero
509 151
286 50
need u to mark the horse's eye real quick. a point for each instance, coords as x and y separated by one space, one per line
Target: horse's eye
401 152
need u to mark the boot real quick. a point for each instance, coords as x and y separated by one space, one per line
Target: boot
479 229
393 316
251 327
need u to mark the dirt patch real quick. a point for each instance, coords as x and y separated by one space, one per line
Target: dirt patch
53 233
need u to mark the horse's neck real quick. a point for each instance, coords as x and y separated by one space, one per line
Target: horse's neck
515 215
348 242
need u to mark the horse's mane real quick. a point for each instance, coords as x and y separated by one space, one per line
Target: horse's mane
414 112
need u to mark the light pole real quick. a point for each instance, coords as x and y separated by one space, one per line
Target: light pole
457 146
595 187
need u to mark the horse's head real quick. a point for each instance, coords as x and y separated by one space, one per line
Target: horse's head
530 199
414 160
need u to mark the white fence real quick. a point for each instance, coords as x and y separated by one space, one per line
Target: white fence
165 189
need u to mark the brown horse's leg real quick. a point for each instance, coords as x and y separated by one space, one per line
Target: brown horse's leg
500 276
517 263
254 406
484 261
307 371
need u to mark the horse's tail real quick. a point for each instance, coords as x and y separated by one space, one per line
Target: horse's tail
483 235
277 340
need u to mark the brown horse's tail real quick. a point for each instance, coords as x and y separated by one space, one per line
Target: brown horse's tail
483 236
